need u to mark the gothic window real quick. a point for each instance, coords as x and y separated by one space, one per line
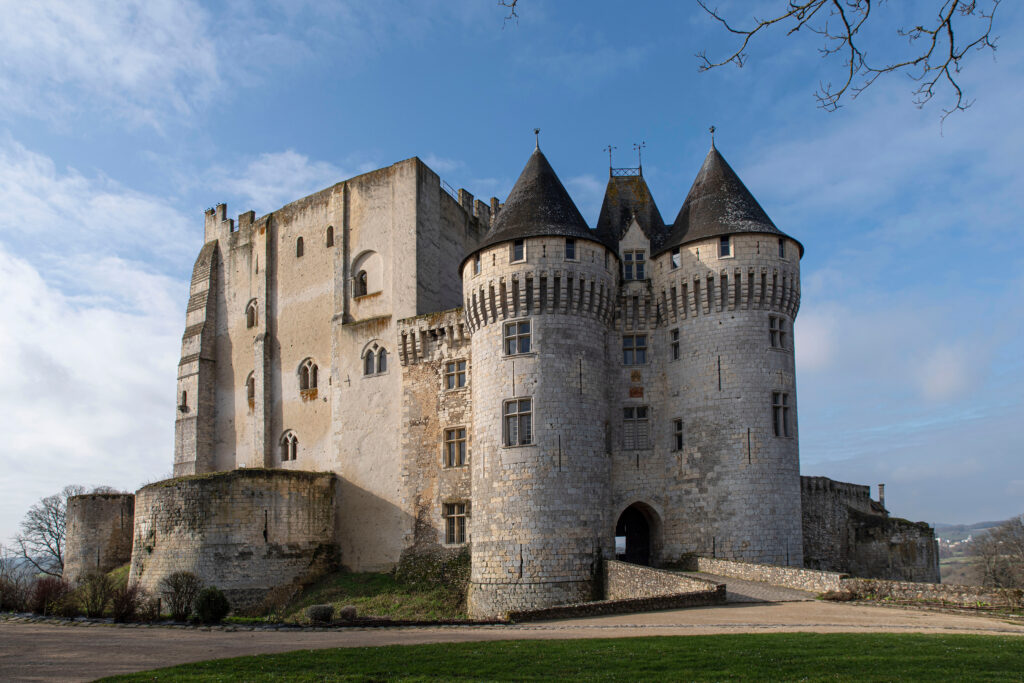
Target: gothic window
677 434
518 422
454 523
633 263
375 360
780 413
777 331
361 287
455 447
289 446
518 251
636 428
330 235
674 343
517 337
251 318
250 387
307 375
724 247
570 249
455 374
634 349
298 247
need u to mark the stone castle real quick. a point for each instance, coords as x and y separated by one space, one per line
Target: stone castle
387 367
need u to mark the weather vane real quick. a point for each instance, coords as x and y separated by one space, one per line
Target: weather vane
536 135
609 149
639 155
712 131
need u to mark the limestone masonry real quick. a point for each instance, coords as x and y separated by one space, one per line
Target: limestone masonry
383 369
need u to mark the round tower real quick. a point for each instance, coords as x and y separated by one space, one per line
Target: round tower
728 283
539 297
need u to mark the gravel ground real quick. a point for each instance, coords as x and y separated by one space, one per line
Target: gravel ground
59 652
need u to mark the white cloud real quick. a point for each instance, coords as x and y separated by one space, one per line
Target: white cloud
442 164
133 59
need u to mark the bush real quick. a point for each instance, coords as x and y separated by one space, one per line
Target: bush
14 594
180 590
95 591
320 614
149 606
126 601
211 605
52 596
347 613
839 596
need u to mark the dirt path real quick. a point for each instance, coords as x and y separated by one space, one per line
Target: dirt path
36 652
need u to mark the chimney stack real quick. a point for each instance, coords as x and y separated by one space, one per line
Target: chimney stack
881 495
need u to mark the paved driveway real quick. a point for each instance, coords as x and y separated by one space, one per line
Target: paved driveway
47 652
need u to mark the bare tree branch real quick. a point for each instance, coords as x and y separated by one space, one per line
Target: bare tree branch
41 541
937 62
510 5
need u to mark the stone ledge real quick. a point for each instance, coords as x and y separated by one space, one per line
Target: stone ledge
705 598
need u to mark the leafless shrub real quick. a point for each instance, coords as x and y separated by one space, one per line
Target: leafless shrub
180 590
95 591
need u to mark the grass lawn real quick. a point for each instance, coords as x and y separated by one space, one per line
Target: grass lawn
778 656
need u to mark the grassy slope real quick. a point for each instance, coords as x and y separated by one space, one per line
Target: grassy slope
785 656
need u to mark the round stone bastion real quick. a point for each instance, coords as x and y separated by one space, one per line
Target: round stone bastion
98 533
245 531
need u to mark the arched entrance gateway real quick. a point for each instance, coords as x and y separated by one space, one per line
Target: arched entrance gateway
635 534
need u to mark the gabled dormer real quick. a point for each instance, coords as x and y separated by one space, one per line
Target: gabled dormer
626 199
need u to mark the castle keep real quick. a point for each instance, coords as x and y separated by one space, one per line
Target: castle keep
384 368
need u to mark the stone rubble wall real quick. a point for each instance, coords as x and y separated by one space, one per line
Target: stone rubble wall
98 533
844 530
963 596
791 577
634 588
244 531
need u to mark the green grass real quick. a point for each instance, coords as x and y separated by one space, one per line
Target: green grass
780 656
378 595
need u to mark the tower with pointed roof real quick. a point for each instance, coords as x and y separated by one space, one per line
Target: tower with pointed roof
539 296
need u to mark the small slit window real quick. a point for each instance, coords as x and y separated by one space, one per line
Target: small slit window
361 287
570 249
330 236
299 249
250 387
724 247
782 248
677 434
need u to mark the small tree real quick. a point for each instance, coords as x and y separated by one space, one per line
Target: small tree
41 541
180 590
212 605
1001 555
15 581
95 591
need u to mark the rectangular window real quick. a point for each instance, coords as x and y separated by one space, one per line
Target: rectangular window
634 349
780 413
676 259
476 264
777 332
633 265
674 345
724 247
517 337
519 422
455 374
677 434
570 249
454 523
455 447
518 250
635 428
782 248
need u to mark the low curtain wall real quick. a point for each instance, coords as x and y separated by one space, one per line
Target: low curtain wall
791 577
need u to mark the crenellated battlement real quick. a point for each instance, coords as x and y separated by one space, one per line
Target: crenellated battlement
432 336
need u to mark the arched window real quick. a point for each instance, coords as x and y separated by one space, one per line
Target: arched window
330 235
361 283
375 359
250 387
298 247
307 374
289 446
250 314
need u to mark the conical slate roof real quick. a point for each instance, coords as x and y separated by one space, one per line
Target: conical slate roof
719 204
537 206
624 198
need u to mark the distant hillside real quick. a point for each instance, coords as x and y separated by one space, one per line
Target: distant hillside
958 532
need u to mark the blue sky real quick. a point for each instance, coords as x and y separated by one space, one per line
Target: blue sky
120 124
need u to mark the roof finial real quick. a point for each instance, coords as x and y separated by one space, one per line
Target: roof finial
609 149
639 155
536 135
712 131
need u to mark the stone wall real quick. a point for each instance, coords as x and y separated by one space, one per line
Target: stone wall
963 596
244 531
792 577
846 531
99 533
634 588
